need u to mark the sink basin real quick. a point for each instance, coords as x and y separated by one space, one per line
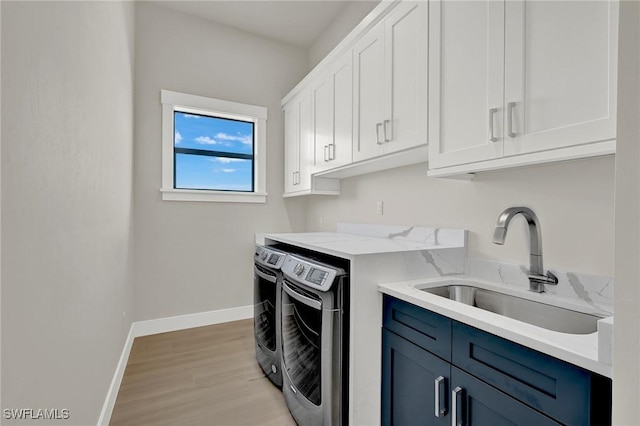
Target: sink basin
535 313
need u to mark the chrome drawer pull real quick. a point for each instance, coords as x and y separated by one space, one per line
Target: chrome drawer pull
456 407
440 404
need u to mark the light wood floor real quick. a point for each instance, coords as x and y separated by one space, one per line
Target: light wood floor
201 376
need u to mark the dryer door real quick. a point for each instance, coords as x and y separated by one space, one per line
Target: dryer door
301 340
264 307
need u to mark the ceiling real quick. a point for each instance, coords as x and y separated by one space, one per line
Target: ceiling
294 22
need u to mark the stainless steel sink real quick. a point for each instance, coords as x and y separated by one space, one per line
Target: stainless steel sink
535 313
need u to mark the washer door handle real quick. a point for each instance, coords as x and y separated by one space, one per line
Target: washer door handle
261 274
315 304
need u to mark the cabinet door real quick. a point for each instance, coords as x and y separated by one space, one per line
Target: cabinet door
560 79
368 92
305 139
297 114
466 78
405 100
332 99
414 384
341 153
322 99
474 402
291 152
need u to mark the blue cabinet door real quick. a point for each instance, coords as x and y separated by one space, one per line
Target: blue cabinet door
409 375
478 404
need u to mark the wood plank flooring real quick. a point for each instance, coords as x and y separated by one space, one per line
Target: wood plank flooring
200 376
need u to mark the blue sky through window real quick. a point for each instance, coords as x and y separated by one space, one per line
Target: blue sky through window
217 137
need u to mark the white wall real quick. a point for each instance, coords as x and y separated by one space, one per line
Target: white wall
574 202
196 257
626 380
67 145
349 17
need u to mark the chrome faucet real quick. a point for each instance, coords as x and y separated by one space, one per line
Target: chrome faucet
537 277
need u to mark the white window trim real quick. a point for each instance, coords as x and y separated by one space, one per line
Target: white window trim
175 101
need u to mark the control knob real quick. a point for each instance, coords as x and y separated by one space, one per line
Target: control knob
298 269
264 255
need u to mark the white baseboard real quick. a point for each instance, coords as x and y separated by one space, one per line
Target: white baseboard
164 325
182 322
112 394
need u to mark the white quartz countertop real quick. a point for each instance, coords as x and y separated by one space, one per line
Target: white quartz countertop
577 349
347 245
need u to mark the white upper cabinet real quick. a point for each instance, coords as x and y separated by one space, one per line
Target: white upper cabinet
520 82
560 83
332 100
291 156
405 85
466 79
297 116
368 93
390 95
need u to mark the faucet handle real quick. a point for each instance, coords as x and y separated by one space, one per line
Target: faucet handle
549 278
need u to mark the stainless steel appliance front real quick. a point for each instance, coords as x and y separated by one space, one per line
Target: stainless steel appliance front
266 311
313 341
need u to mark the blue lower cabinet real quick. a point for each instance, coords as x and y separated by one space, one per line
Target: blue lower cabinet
414 384
484 380
477 403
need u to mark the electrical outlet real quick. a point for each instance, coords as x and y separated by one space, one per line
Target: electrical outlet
379 207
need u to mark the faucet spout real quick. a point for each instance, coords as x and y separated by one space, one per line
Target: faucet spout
537 277
499 234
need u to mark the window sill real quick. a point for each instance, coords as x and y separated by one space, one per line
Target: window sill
212 196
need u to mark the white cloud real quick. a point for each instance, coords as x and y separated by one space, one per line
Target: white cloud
206 140
226 160
185 115
228 170
245 139
177 138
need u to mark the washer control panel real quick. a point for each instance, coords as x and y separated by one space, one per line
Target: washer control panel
310 273
298 269
269 257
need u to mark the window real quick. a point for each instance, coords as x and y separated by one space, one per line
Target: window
213 150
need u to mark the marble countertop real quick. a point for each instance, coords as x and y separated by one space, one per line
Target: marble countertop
578 349
355 239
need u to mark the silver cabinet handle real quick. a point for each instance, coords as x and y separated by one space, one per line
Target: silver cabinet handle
440 403
327 157
378 141
510 107
296 178
386 126
332 151
492 113
456 406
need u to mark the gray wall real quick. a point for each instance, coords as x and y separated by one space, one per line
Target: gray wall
626 380
67 145
350 16
195 257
